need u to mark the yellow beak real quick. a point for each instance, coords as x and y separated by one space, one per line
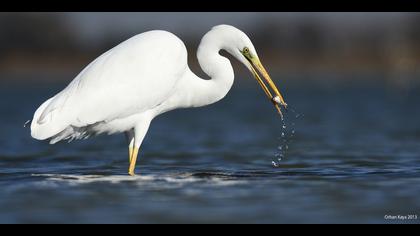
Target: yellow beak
277 100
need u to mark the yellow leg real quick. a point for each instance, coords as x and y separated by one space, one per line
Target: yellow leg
133 161
130 139
130 153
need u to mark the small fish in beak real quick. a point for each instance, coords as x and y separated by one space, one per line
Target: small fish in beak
277 100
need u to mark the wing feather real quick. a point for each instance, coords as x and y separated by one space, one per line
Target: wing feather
134 76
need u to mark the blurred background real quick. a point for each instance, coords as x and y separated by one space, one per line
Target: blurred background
349 44
350 152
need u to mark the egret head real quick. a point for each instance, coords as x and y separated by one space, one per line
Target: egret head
240 46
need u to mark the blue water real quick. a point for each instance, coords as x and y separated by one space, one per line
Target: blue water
354 158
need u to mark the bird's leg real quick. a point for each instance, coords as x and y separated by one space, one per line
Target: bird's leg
130 139
133 161
139 132
130 153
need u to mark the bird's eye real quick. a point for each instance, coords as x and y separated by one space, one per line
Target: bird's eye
246 50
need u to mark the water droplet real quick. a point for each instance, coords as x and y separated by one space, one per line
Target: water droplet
287 135
278 155
26 123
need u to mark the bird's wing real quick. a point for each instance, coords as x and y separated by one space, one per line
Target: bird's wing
135 76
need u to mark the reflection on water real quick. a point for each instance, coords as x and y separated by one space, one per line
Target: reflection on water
353 157
142 180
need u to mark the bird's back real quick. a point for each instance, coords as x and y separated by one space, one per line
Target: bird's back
136 75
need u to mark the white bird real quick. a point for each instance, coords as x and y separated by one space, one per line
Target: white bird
126 87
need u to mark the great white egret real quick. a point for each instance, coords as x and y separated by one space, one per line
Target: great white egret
126 87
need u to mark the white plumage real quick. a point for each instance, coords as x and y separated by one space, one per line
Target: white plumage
144 76
115 86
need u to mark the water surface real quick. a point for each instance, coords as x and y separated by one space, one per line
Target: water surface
354 159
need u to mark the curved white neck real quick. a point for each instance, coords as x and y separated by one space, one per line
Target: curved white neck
217 67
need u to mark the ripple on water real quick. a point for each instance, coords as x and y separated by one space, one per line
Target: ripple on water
183 178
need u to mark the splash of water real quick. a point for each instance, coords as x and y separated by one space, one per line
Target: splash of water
26 123
286 137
